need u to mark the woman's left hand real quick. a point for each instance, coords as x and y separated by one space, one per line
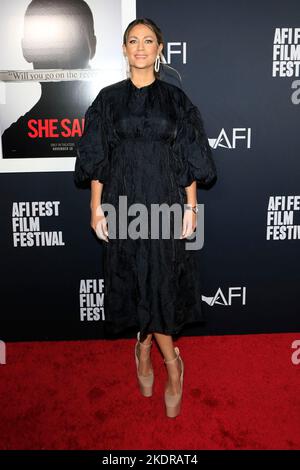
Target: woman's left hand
189 223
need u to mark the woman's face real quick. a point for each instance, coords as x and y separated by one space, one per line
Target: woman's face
142 47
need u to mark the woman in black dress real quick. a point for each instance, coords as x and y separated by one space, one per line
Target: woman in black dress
145 140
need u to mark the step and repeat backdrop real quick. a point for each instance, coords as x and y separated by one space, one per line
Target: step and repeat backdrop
239 62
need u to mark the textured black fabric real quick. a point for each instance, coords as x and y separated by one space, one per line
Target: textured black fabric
146 143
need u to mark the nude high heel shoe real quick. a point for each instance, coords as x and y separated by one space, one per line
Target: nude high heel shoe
145 381
173 402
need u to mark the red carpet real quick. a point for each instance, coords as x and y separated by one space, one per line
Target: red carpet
240 392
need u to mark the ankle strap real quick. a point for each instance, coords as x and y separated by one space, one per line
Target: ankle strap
175 358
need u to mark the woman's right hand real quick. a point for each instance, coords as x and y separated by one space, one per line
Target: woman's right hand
99 222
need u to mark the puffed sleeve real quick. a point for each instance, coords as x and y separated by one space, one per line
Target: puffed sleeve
92 162
193 154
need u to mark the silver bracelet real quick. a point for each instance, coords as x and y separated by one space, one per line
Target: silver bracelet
192 208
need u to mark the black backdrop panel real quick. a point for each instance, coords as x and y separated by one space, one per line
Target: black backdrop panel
250 282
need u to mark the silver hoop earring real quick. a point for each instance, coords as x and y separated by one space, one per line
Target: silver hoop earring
157 64
127 66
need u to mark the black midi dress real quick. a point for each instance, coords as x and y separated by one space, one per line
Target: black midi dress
147 144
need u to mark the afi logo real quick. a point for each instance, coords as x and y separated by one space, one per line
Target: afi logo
221 299
176 48
230 142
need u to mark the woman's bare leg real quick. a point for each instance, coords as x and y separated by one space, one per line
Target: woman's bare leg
144 357
165 343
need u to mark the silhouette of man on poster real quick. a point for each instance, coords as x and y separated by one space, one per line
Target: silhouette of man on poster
57 35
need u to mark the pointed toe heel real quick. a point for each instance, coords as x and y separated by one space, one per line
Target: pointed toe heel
173 402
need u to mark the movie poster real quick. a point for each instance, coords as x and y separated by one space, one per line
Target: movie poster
55 57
